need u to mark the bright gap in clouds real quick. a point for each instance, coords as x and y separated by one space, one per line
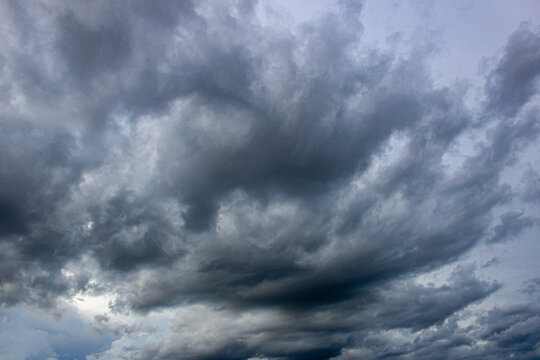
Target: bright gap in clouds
254 180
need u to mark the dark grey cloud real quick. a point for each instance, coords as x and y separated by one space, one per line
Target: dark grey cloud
512 224
324 333
127 233
508 332
87 51
418 307
532 286
514 80
188 155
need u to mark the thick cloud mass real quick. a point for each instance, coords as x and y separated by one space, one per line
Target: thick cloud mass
282 190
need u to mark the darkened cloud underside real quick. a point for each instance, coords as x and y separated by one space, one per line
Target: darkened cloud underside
187 153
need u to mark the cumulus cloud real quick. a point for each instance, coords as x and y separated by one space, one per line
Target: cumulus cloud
281 190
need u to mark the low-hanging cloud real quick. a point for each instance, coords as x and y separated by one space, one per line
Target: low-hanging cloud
285 186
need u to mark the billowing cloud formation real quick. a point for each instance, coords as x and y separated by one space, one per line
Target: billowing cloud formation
282 190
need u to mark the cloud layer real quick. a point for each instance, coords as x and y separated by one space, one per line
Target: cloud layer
283 190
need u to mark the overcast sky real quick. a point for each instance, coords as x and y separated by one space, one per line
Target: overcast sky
290 180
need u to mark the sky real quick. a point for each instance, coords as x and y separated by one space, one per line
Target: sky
288 180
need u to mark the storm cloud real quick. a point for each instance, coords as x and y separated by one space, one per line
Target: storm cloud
275 192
